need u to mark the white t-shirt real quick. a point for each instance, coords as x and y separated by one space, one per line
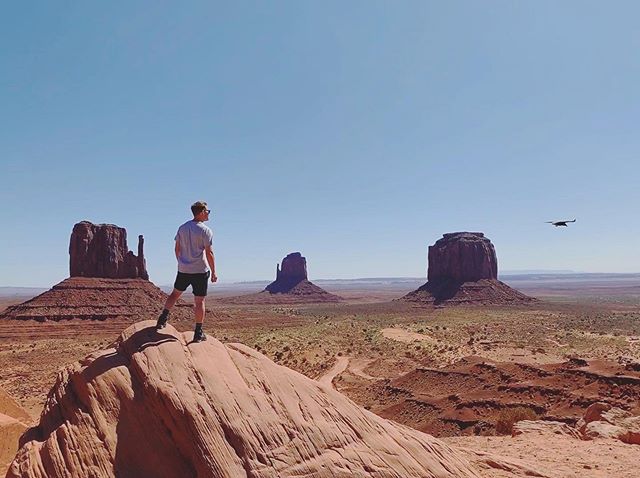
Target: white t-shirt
193 237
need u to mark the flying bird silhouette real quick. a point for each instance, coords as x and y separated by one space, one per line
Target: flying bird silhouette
560 223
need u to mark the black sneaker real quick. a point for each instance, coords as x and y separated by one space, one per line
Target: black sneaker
162 321
199 336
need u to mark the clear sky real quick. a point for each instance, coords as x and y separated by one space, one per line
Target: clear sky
355 132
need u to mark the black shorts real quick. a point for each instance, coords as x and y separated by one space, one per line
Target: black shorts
198 283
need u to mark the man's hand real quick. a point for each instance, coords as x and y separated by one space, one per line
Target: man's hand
214 277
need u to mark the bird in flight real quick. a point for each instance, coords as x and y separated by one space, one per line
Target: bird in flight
560 223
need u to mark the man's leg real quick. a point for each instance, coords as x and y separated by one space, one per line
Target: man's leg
170 302
198 334
199 309
172 299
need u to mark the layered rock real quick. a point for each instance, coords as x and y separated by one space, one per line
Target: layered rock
463 269
100 250
107 282
95 299
159 405
478 396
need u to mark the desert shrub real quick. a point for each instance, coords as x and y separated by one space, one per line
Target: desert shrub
509 416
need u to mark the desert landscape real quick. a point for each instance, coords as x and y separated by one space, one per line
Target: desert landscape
360 239
546 386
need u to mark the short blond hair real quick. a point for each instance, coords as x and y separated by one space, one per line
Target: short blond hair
197 207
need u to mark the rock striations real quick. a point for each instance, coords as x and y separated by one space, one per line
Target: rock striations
463 269
291 286
158 405
93 299
100 250
107 282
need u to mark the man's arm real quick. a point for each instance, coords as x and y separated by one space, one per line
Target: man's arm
177 250
208 252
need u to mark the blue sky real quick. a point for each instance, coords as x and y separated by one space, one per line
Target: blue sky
355 132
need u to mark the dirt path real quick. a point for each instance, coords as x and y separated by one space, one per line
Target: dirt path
339 367
357 366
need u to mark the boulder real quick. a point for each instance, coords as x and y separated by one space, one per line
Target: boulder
159 405
100 250
601 420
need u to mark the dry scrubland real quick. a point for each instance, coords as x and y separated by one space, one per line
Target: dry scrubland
365 343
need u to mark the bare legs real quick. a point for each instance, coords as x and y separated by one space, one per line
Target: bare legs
199 309
172 299
198 335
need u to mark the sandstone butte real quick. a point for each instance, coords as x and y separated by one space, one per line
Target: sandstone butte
463 269
107 281
157 405
291 285
100 250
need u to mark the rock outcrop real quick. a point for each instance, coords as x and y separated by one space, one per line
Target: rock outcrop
463 269
100 250
14 420
159 405
602 420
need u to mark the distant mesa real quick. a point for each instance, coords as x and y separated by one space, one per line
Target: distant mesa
292 273
100 250
291 285
214 409
107 281
463 269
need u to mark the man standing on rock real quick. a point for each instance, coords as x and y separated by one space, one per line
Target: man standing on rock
194 243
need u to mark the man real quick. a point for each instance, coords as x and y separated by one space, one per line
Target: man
193 245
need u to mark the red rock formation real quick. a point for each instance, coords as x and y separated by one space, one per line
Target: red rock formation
462 256
471 395
100 250
291 285
294 268
158 405
14 421
93 298
463 269
602 420
294 271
